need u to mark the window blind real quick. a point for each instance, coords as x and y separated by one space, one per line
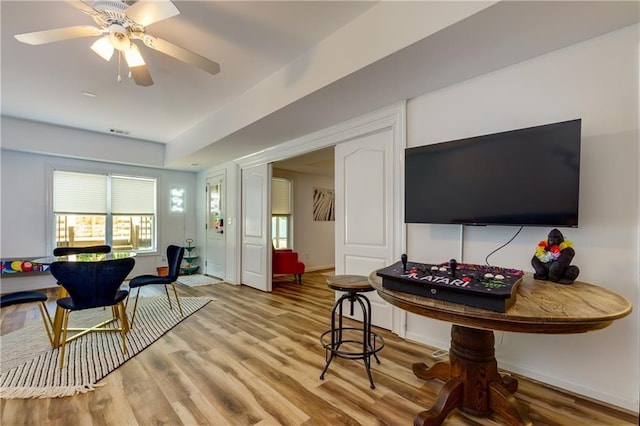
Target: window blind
79 193
133 196
280 196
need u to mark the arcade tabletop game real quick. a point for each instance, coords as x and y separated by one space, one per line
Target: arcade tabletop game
482 286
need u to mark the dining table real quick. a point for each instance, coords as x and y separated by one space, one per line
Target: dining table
81 257
85 257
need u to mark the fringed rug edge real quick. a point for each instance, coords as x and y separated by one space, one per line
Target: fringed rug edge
46 392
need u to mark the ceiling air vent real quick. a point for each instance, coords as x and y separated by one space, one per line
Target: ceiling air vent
119 131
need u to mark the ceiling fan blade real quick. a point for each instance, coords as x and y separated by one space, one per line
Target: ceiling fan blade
182 54
50 36
141 75
147 12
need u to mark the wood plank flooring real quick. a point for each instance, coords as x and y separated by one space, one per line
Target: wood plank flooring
253 358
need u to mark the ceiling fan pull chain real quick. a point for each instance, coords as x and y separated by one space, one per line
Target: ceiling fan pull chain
119 62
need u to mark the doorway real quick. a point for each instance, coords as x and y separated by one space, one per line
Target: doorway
368 179
216 241
312 237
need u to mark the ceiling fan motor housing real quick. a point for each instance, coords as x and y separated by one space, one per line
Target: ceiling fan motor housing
110 5
112 12
119 37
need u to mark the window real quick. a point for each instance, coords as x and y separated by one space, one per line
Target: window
280 231
93 209
281 212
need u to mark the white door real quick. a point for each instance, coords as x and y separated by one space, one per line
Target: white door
256 227
216 240
365 212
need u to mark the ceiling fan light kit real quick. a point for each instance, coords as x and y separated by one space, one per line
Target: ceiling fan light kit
103 48
133 57
120 23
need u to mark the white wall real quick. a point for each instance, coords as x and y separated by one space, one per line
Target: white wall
597 81
49 139
313 240
26 205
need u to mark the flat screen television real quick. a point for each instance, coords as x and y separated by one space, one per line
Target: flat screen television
528 177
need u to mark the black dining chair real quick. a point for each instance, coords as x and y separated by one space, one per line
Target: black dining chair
174 258
40 298
66 251
93 285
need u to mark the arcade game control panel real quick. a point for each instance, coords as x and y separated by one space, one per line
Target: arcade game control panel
482 286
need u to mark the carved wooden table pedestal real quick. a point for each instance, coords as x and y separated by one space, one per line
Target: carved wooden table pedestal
473 383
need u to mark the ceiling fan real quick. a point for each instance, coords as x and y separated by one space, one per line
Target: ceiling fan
120 23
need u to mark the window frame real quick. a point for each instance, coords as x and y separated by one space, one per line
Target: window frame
274 230
52 229
287 213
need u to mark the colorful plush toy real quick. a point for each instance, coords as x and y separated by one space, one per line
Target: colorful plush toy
552 260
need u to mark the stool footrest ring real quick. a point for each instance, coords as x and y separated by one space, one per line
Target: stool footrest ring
375 345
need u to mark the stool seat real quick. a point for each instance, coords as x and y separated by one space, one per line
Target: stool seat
360 342
350 283
21 297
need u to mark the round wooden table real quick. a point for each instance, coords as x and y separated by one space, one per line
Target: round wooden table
473 383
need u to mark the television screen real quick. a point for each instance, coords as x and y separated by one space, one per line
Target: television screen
527 176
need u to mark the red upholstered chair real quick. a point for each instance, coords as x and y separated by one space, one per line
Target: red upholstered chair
285 261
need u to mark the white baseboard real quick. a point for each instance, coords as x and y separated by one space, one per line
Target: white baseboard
434 343
319 268
608 398
576 388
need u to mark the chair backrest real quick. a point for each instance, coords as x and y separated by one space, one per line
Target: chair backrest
66 251
92 284
174 258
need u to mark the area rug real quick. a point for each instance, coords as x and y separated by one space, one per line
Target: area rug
197 280
29 366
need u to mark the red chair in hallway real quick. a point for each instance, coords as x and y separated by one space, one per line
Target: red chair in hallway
285 261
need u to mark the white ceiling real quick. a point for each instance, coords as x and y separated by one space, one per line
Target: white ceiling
253 40
250 40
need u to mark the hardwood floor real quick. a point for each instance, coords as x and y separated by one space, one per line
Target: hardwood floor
253 358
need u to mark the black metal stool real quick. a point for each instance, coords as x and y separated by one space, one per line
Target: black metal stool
354 286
